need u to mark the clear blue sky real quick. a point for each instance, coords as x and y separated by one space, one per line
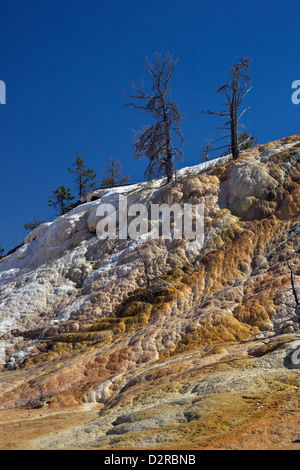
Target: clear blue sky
66 64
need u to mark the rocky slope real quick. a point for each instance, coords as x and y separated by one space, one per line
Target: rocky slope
202 360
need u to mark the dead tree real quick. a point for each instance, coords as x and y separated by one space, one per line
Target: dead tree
207 149
156 142
113 174
295 294
293 306
154 285
146 271
235 91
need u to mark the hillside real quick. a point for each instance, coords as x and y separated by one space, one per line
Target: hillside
203 360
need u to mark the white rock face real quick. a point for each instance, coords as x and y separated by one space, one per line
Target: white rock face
42 281
81 328
248 180
63 270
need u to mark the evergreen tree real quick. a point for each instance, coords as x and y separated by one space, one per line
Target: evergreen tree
156 142
1 252
246 140
84 177
32 225
61 199
113 174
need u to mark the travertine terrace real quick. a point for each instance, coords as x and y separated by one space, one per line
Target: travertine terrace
95 361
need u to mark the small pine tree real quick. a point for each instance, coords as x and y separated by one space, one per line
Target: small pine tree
61 199
246 140
84 177
32 225
1 252
114 174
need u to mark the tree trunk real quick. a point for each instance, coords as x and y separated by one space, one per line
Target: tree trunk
234 125
169 159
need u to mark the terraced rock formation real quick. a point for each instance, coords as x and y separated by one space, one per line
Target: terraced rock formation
204 359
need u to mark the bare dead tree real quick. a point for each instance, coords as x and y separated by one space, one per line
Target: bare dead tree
207 149
235 91
154 285
113 174
295 294
156 142
293 306
146 270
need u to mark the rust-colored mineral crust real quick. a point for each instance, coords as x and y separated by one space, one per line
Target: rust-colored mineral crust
204 359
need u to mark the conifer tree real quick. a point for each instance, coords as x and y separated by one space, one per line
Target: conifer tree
246 140
84 177
113 174
61 199
32 225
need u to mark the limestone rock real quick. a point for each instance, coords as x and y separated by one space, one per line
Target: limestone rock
201 357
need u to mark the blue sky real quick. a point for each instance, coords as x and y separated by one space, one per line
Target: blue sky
67 63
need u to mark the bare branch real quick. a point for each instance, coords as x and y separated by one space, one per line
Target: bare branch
156 141
222 113
293 285
243 112
234 91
